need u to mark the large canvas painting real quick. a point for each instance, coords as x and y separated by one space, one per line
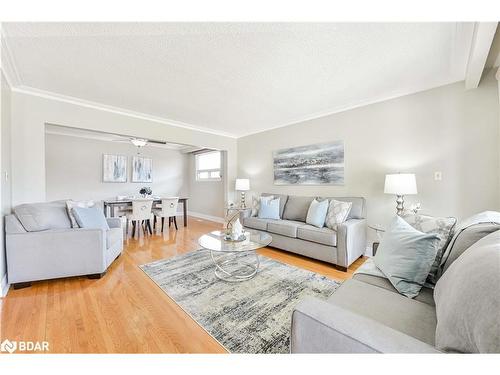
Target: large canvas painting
142 169
310 165
114 168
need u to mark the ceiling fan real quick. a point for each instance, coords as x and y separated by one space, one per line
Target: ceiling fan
139 142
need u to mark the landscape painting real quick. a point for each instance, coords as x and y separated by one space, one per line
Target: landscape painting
310 165
114 168
142 169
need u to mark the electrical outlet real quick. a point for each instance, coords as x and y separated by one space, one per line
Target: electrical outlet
438 176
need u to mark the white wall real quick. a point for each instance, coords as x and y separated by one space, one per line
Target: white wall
446 129
74 169
5 186
30 113
207 197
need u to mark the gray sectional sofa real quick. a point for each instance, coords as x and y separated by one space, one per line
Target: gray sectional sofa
341 247
41 244
366 314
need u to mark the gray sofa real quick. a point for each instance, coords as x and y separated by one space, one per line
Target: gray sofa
291 233
367 315
41 244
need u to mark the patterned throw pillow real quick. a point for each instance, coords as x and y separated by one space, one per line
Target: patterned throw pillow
337 213
443 228
72 204
256 204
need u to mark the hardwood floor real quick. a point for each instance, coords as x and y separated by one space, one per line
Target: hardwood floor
124 312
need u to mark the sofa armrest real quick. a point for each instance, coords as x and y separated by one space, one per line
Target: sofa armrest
323 327
55 253
114 222
351 241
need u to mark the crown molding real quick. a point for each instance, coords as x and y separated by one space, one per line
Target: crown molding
117 110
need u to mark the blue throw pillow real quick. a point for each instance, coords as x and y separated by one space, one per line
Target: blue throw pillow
269 209
317 213
90 218
405 256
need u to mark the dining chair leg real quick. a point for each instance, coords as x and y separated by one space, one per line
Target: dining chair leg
175 222
162 223
133 228
154 223
149 226
126 229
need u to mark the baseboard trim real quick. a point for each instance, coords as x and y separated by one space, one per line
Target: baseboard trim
206 217
4 286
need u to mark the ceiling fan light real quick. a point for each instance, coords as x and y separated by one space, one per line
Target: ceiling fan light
139 142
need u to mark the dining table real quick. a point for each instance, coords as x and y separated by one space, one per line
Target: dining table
110 206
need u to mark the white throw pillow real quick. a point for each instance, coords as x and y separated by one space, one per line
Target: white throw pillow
72 204
256 203
317 213
337 213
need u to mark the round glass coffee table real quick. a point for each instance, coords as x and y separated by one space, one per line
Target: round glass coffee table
235 260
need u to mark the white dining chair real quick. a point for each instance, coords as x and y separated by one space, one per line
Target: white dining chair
168 209
141 213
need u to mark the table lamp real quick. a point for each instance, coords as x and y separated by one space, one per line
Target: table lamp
242 184
400 184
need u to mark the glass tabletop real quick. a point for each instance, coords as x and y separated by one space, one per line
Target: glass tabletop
254 240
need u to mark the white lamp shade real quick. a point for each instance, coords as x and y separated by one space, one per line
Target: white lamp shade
242 184
400 184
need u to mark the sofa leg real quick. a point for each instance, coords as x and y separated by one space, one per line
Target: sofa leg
96 275
341 268
21 285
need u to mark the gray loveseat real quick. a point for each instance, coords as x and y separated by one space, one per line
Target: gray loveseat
367 315
341 247
41 244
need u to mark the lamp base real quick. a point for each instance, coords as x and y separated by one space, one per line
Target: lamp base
242 204
400 205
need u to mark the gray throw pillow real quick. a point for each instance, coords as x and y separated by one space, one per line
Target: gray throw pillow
467 300
405 256
443 228
90 218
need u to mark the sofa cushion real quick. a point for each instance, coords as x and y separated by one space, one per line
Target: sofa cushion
464 239
405 255
43 216
256 223
468 300
442 227
286 228
296 208
283 199
426 295
323 235
411 317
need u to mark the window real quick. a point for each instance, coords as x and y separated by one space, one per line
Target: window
208 166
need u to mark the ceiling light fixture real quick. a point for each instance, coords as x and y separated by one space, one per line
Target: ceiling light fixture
139 142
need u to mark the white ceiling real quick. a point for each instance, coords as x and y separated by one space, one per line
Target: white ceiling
237 78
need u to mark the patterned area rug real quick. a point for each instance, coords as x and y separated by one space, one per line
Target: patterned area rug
252 316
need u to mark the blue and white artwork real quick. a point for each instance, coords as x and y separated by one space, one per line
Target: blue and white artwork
142 169
114 168
310 165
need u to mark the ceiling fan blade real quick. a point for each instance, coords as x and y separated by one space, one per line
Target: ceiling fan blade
157 142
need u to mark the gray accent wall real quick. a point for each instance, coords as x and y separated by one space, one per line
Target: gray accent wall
447 129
